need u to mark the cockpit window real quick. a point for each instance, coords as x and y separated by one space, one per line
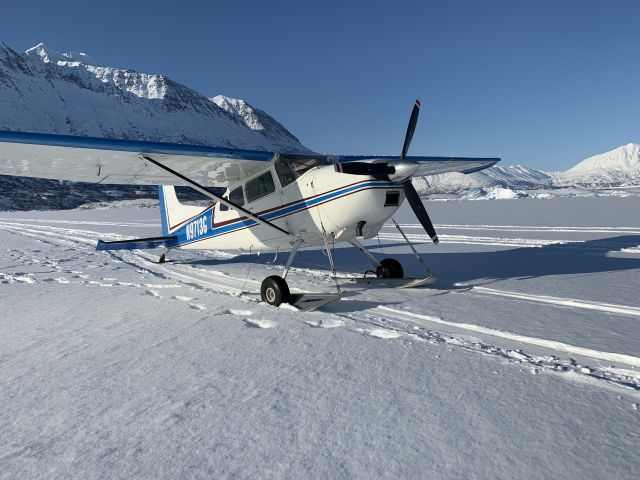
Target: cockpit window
290 167
260 186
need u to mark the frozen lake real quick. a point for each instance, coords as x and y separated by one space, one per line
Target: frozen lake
522 361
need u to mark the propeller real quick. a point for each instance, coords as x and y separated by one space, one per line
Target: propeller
402 170
409 190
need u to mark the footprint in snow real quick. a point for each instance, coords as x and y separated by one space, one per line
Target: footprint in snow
198 306
325 323
232 311
383 333
259 323
153 293
182 298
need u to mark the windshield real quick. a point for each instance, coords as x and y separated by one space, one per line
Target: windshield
290 167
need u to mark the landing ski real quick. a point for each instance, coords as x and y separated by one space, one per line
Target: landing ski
391 282
305 302
308 302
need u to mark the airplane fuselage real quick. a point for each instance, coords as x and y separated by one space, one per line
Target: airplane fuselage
320 202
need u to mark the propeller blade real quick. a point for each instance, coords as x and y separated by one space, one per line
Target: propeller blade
380 171
413 120
418 208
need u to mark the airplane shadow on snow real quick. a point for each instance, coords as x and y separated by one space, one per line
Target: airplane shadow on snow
574 258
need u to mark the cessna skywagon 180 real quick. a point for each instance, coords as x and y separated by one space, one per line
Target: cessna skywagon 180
273 201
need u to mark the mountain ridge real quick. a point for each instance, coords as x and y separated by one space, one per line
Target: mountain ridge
50 92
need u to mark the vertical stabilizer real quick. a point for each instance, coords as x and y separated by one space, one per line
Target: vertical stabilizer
173 214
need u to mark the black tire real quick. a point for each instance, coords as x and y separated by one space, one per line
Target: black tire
274 290
390 268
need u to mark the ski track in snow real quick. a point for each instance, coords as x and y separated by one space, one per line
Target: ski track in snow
566 302
393 235
476 240
527 228
379 322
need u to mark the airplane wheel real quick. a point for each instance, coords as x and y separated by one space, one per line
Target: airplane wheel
390 268
274 290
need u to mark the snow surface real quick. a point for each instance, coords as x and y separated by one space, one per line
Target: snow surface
523 361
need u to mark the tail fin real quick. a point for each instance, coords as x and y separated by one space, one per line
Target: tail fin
173 213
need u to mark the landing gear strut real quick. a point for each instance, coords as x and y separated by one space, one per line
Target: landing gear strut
274 289
386 268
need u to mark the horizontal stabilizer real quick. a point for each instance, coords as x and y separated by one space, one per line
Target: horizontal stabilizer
138 243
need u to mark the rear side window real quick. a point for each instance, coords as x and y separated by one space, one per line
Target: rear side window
259 187
236 197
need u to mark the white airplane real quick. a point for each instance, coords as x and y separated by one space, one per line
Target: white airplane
273 201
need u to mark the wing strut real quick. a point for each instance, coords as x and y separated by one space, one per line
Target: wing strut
196 186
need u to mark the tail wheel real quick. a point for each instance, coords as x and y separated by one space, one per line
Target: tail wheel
390 268
274 290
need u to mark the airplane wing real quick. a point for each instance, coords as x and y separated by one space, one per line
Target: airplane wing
115 161
118 161
431 165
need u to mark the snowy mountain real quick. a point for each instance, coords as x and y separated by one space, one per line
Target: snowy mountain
69 93
256 120
618 167
508 176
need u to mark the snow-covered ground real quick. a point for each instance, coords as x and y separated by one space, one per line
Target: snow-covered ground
523 361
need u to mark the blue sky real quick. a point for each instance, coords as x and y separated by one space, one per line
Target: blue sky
539 83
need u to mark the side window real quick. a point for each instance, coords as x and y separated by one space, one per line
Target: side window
236 197
285 172
259 187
